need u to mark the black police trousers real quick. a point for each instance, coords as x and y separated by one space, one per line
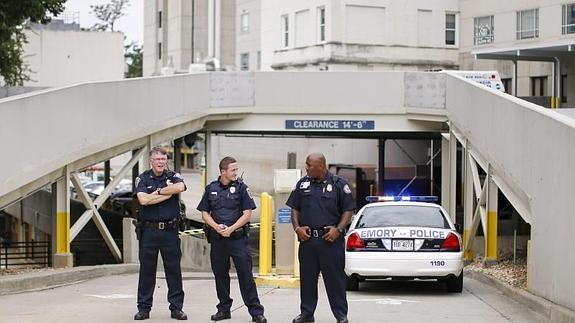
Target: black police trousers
317 255
221 251
166 242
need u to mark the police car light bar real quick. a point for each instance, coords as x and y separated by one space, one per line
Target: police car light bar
374 198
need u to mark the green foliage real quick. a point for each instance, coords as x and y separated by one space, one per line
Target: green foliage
108 14
134 60
15 15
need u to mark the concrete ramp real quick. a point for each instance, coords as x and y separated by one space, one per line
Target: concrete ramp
530 150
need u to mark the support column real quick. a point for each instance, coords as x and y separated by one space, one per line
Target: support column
492 220
468 205
61 195
446 173
212 169
178 155
514 78
453 177
431 175
381 167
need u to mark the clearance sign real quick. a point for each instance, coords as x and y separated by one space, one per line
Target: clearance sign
330 124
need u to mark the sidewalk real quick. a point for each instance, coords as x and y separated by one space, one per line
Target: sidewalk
276 299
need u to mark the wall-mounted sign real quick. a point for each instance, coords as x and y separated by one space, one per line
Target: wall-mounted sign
331 124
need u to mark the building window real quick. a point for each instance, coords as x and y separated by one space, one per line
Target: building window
245 22
483 30
539 86
321 24
245 62
259 60
507 85
568 24
285 31
450 31
160 50
528 24
160 19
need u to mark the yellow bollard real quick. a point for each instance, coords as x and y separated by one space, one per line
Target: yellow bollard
203 179
265 265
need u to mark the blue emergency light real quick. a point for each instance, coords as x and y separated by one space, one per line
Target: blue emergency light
374 198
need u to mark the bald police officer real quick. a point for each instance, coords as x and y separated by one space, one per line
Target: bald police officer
226 208
322 207
157 191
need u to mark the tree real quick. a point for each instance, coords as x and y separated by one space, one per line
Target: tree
134 60
15 15
108 14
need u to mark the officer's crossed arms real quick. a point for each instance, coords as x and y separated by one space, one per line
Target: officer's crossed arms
161 194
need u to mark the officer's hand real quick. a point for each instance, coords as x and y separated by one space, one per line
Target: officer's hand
303 233
227 231
330 234
221 228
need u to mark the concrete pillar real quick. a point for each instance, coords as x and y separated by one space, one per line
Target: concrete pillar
468 205
381 167
130 243
492 220
178 155
446 174
212 158
514 80
62 257
453 176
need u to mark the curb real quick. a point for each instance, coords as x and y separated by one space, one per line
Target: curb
551 311
12 284
277 281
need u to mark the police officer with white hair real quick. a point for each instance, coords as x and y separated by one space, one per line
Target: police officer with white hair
157 191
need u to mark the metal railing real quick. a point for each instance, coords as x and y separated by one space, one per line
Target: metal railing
30 253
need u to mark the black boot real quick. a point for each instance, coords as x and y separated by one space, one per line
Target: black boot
221 316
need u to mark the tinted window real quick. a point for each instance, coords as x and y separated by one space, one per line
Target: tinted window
402 216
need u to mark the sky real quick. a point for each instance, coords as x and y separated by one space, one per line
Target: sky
132 25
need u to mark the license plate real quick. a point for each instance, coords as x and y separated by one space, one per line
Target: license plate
402 245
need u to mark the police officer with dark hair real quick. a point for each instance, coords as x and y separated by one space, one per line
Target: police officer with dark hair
226 208
157 191
322 207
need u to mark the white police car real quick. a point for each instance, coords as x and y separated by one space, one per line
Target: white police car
403 238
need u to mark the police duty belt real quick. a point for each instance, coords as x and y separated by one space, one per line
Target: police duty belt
200 233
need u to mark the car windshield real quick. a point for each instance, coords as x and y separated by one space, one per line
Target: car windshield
402 216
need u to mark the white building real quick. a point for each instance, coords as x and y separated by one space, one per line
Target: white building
360 35
177 31
538 35
60 54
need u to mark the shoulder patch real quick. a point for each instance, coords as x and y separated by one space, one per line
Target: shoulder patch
249 193
137 181
177 175
346 189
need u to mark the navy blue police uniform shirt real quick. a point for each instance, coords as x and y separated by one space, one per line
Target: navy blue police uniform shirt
226 203
321 203
167 210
